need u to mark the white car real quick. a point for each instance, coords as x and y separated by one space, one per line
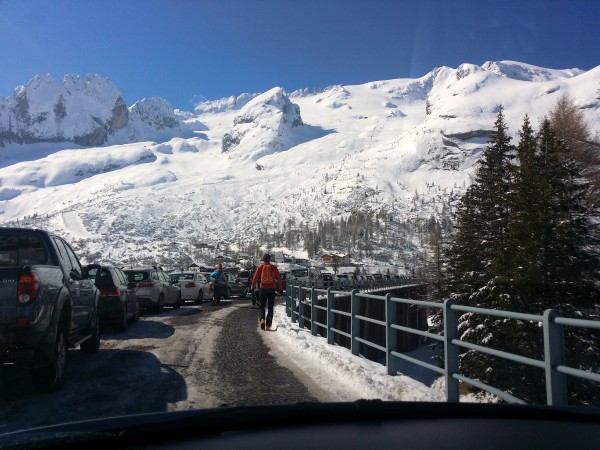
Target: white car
194 286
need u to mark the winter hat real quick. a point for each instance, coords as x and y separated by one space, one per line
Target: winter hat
266 257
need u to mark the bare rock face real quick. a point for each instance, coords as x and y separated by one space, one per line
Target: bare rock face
87 112
83 111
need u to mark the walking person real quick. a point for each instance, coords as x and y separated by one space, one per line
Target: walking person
218 284
270 281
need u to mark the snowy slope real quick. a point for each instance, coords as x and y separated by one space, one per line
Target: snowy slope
302 156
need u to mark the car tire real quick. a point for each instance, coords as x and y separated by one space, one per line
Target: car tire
122 325
92 345
228 293
177 304
200 297
161 304
51 378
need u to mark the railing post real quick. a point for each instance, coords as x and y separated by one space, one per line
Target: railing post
391 339
554 355
295 293
301 300
289 288
313 311
330 317
354 323
451 351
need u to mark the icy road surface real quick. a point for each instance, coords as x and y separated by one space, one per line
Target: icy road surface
194 357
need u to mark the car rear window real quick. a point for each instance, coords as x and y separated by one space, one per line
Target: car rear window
21 250
182 276
136 276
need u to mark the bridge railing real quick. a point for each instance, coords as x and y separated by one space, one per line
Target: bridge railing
303 304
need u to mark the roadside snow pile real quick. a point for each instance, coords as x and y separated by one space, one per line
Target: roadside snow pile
339 372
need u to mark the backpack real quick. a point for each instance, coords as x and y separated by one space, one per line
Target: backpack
267 276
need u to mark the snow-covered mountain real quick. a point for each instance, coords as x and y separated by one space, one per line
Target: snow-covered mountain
86 112
149 182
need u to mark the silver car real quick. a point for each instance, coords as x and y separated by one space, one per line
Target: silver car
154 288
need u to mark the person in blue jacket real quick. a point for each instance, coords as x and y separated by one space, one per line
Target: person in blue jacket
218 282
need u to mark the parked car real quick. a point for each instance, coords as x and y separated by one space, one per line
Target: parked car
235 285
297 275
47 304
118 302
155 289
323 280
342 279
194 286
245 276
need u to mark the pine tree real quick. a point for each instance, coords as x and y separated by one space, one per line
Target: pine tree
479 264
477 257
553 234
527 246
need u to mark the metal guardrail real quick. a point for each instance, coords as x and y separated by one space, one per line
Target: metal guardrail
301 299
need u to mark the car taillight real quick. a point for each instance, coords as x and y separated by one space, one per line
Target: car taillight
147 284
110 292
29 284
190 284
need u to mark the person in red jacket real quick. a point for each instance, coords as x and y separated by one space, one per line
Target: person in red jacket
268 278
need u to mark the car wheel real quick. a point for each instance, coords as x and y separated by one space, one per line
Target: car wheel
92 345
51 378
177 304
228 293
122 325
161 304
200 297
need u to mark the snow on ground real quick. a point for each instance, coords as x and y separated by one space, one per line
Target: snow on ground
74 226
344 376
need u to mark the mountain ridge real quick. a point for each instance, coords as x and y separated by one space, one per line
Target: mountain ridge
406 146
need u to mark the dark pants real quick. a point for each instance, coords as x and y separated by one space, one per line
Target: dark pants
267 299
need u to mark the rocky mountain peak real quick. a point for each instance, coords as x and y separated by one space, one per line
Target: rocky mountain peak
85 111
269 119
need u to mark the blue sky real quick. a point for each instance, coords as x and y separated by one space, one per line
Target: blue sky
187 50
